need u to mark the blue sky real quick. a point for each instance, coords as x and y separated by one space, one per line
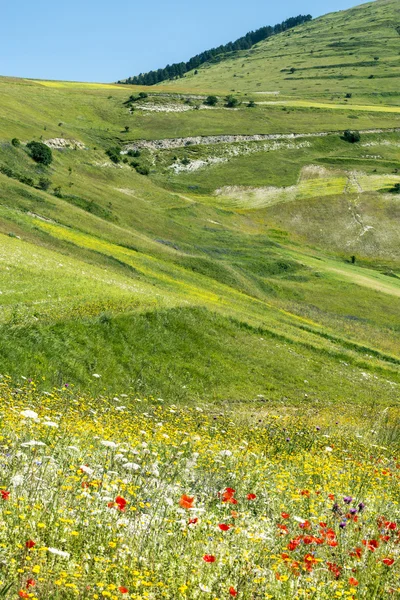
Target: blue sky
99 40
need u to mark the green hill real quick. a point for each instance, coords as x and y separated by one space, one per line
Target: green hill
199 327
354 51
238 238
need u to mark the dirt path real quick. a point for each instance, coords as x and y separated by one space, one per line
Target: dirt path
170 143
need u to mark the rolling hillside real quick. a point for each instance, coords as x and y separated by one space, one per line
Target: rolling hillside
200 327
354 51
238 237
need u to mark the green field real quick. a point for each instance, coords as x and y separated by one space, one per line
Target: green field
228 319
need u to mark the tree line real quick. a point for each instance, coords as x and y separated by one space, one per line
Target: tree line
245 42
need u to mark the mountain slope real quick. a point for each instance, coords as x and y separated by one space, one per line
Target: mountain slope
354 51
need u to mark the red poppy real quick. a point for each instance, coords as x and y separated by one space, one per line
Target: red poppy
23 594
5 495
294 543
209 558
251 496
309 561
123 590
30 583
305 493
335 569
390 525
121 503
305 525
371 544
193 521
357 553
323 525
30 544
388 561
285 515
384 538
228 496
331 497
308 539
186 501
285 556
233 592
353 581
224 527
85 484
283 528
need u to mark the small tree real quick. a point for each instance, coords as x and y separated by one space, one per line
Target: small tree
351 136
143 95
211 101
15 142
114 154
231 101
40 152
396 188
44 183
126 128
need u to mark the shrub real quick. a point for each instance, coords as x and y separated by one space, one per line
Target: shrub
26 180
143 95
57 191
134 153
44 183
351 136
396 188
251 104
348 95
142 170
231 101
185 161
211 101
114 154
15 142
40 152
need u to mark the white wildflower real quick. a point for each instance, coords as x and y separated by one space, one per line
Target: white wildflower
61 553
131 466
32 443
50 424
108 444
29 414
96 375
17 480
86 469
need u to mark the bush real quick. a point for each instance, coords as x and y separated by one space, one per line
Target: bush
211 101
40 152
142 170
57 191
114 154
396 188
15 142
351 136
251 104
44 183
231 101
134 153
143 95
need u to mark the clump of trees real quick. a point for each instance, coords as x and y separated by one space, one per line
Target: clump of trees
211 101
40 153
177 70
353 137
231 101
114 154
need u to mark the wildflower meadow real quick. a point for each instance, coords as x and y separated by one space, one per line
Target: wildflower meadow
124 497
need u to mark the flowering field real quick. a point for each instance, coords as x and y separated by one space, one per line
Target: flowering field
136 498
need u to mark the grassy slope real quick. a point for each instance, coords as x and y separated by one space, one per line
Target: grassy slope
332 55
242 293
